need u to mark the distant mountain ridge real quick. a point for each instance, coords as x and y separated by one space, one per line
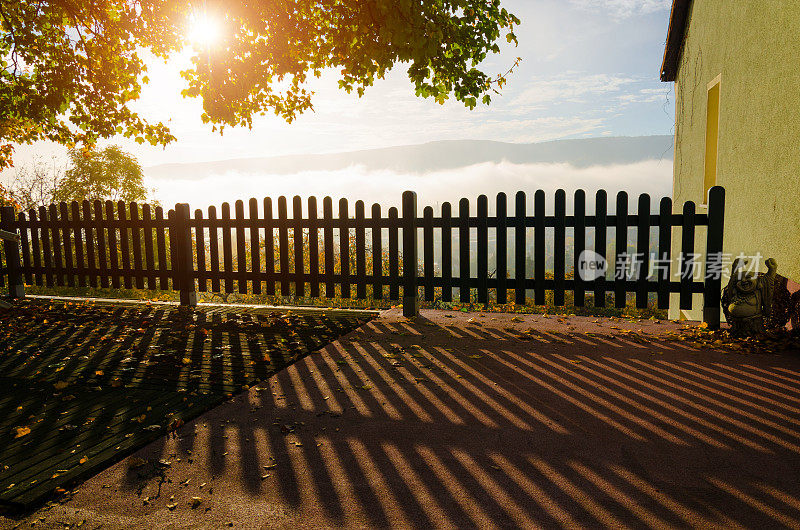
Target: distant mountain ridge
439 155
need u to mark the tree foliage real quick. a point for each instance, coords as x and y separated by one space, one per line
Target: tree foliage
110 174
69 69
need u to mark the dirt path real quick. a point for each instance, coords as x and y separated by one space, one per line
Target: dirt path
462 420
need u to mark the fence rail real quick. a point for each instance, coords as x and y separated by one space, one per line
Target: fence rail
262 249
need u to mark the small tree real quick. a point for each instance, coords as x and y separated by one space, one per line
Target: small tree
110 174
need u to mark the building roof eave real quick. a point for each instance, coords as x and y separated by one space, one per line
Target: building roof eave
678 20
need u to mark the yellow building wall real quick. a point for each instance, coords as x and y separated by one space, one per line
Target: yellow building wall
753 47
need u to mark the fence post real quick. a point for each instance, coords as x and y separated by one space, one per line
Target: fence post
16 289
410 264
183 240
713 273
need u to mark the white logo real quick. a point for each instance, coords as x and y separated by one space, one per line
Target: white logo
591 265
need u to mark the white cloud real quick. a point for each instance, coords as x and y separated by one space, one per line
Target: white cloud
624 8
572 87
385 186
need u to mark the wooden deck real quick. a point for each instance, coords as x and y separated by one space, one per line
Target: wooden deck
84 384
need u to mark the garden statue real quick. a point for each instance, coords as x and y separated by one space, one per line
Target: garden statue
747 299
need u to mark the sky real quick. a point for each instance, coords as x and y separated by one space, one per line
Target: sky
589 68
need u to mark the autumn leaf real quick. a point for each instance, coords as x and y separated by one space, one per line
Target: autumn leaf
83 460
22 431
60 385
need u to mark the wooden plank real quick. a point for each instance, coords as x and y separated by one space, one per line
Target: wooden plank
394 254
410 260
174 251
213 248
463 251
713 271
664 251
36 250
77 225
66 225
559 247
136 244
377 252
47 254
427 252
255 247
483 249
161 248
124 246
579 243
520 250
269 246
113 259
200 246
327 214
313 248
55 236
25 249
227 247
622 259
241 248
643 249
102 253
344 247
447 253
361 252
299 258
283 242
501 248
538 248
688 259
600 211
147 233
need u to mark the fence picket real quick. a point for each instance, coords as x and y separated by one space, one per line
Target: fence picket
520 233
161 248
124 247
377 253
579 246
621 250
269 246
55 235
559 247
687 255
600 210
313 248
344 247
299 262
102 257
147 233
538 248
361 253
427 252
643 249
241 253
26 253
36 250
227 247
327 214
78 242
463 251
113 253
664 251
200 251
501 248
447 253
394 254
213 248
255 247
136 243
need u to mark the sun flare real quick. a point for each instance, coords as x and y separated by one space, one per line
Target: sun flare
203 30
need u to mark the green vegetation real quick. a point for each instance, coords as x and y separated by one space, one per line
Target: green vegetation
70 70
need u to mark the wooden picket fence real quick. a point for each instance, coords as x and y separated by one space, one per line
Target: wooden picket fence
127 245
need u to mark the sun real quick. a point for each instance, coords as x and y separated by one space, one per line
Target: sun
203 30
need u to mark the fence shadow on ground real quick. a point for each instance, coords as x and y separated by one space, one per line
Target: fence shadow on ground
399 424
84 385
